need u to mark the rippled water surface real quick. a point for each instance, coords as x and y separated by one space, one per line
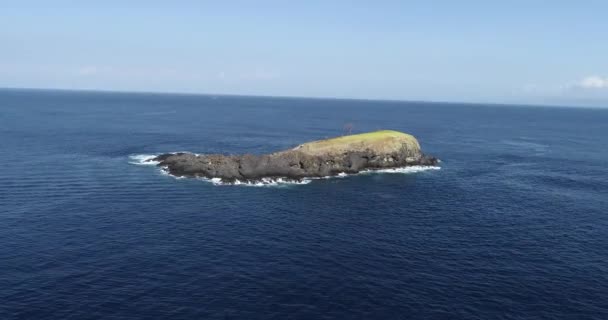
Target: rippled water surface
513 226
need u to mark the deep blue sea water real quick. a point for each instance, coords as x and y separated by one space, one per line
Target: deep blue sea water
514 225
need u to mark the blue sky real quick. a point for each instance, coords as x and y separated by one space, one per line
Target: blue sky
550 52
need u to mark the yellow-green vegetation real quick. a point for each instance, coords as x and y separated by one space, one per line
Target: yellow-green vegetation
381 142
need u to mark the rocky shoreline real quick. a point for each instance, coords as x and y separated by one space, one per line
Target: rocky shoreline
348 154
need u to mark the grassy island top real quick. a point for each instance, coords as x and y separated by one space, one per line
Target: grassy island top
383 141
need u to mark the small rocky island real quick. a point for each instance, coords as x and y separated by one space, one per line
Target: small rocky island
346 154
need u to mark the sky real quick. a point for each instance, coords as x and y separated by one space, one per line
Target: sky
536 52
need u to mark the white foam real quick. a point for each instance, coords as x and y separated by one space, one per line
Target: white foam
410 169
269 182
143 159
264 182
402 170
165 172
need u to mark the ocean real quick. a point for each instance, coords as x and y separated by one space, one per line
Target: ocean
514 225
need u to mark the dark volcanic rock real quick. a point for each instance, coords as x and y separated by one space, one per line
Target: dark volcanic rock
350 154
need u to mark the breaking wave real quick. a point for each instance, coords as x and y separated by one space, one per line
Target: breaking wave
143 159
264 182
411 169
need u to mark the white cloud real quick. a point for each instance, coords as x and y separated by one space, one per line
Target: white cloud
593 82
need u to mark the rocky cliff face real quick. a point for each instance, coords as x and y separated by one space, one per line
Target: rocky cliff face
348 154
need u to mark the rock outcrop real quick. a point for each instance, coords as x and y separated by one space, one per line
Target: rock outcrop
348 154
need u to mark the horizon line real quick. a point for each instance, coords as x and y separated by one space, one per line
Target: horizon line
184 93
